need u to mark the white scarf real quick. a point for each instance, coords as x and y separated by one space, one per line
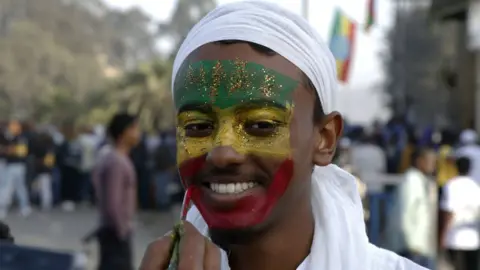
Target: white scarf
340 240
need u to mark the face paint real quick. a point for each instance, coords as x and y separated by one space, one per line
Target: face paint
239 104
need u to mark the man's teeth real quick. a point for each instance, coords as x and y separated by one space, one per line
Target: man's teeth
231 188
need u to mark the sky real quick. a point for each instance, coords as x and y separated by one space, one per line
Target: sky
360 99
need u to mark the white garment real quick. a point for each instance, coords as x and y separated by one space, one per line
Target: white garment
305 264
471 151
414 215
340 241
461 197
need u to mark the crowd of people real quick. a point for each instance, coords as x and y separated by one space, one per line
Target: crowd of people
435 209
49 167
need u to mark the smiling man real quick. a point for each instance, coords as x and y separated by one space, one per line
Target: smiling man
254 88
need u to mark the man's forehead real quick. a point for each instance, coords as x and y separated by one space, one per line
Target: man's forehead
246 52
228 83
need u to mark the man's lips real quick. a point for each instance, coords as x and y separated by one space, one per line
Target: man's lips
228 201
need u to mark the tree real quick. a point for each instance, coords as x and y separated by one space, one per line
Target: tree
185 15
57 56
412 64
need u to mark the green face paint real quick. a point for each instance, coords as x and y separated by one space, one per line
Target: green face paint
227 83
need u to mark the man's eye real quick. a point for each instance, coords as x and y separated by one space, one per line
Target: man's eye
203 129
261 128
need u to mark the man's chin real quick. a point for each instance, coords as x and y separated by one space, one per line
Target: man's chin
225 238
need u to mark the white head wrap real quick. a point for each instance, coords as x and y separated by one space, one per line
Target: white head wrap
340 241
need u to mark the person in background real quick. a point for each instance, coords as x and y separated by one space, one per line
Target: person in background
115 184
469 148
45 162
69 156
15 171
376 161
5 234
417 201
140 156
165 168
460 205
407 152
88 142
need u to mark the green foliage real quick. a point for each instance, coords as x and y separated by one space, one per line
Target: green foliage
79 61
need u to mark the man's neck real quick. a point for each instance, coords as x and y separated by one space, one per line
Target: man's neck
283 247
123 149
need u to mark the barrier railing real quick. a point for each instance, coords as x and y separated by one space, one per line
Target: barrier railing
380 196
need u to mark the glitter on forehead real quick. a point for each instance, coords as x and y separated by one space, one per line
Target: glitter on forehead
217 76
226 83
240 78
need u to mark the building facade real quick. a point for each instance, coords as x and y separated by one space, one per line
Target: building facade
461 70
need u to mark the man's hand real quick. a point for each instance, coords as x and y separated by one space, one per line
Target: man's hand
196 252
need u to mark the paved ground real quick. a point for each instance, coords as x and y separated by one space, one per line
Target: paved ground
60 230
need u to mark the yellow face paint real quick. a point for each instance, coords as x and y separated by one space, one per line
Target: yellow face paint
259 131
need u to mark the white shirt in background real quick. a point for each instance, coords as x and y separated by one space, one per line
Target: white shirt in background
462 198
414 215
472 152
367 158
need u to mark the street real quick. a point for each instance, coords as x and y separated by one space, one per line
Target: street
62 231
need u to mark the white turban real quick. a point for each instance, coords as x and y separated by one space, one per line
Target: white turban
340 240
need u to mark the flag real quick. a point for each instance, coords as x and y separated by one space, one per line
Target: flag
370 15
342 43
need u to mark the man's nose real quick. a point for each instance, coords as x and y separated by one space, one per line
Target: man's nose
224 156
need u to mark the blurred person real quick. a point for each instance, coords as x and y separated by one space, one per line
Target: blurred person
257 132
6 234
460 205
30 134
140 157
343 154
14 180
407 152
469 148
165 169
89 142
44 154
446 168
417 210
115 184
69 156
368 157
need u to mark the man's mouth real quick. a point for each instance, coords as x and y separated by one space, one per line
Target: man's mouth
231 188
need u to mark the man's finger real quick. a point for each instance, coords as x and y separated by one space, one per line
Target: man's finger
192 248
157 255
212 256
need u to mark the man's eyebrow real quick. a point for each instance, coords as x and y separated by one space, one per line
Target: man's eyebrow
203 108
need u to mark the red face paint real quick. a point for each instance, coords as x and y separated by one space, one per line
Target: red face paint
247 211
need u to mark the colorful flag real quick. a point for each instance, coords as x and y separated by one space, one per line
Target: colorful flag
342 43
370 15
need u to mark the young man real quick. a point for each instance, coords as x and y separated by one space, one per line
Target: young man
417 201
460 205
254 88
15 173
115 185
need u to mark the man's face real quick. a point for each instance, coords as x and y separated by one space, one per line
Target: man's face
133 134
246 140
15 128
429 162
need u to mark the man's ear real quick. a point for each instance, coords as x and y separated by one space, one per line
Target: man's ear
328 131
